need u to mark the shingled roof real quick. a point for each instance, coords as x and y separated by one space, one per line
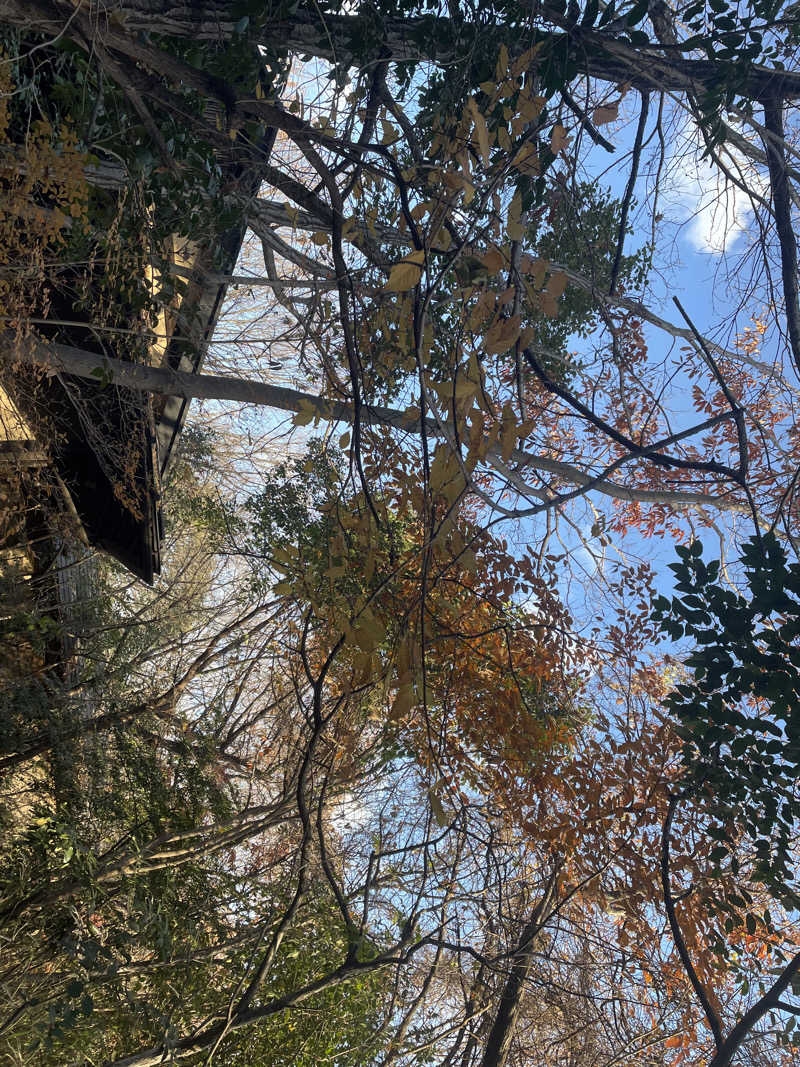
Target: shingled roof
128 523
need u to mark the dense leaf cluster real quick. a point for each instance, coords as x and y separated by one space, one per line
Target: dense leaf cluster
740 708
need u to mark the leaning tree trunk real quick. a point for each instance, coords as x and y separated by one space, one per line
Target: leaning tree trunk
164 381
602 53
498 1044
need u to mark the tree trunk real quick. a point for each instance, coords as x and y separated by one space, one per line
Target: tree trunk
63 359
603 55
498 1044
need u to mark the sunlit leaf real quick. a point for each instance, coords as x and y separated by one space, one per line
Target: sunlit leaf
406 274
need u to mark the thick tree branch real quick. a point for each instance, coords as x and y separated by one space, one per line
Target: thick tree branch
603 54
771 1001
629 190
167 382
498 1043
776 161
677 934
635 449
581 115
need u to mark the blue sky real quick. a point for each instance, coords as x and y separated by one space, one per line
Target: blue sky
700 241
706 226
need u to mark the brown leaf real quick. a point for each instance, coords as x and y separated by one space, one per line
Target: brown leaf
605 114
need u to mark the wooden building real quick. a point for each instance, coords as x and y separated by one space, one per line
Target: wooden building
111 446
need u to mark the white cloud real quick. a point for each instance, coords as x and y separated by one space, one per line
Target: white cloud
716 210
348 814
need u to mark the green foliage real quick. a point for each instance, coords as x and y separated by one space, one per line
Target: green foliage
580 231
293 496
736 38
191 494
298 528
107 802
339 1026
307 524
33 627
181 190
83 908
740 708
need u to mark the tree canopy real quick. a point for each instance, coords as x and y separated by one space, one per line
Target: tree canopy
413 755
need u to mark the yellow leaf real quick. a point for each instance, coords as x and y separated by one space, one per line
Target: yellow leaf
405 660
469 561
523 61
465 388
436 808
344 440
547 305
476 430
306 413
369 566
526 336
362 667
548 299
502 335
282 589
558 139
517 125
514 228
319 238
259 91
526 161
508 432
530 107
535 268
443 239
369 635
557 284
455 488
481 130
406 274
502 64
390 134
441 468
402 703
